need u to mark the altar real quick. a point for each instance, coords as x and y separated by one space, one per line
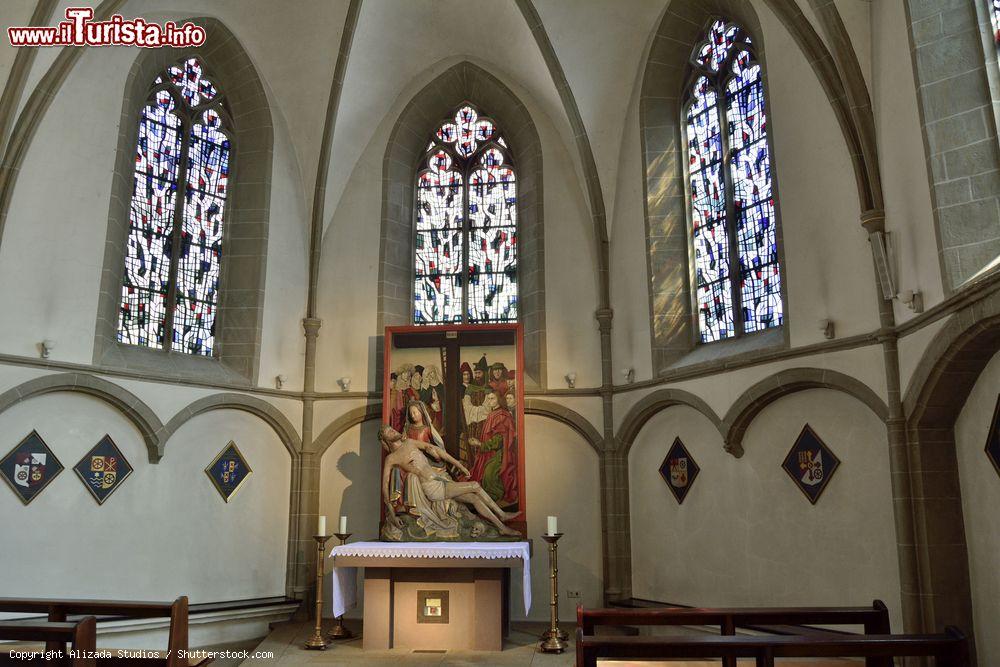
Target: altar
431 595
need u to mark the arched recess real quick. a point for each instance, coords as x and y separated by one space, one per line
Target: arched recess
245 232
571 418
130 405
644 410
752 401
341 424
463 82
660 107
937 393
231 401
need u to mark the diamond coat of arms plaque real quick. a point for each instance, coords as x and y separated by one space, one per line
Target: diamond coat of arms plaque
103 469
679 470
228 471
29 467
811 464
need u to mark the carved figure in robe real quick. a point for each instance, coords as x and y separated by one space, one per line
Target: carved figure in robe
432 394
495 466
437 489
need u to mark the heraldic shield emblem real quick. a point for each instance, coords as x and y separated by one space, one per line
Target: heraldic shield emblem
810 464
103 469
679 470
29 467
228 471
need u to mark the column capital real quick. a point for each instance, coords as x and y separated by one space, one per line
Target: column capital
873 220
604 317
311 326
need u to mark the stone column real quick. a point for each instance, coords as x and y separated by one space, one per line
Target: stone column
305 481
614 482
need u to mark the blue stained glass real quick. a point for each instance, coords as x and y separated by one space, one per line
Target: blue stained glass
150 262
465 256
742 188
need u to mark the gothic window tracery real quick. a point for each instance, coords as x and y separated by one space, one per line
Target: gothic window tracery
737 274
465 252
170 286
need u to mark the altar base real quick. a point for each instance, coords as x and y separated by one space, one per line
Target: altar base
448 599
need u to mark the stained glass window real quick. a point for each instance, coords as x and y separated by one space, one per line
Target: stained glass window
995 18
170 287
466 225
734 245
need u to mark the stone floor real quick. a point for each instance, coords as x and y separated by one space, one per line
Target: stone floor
520 650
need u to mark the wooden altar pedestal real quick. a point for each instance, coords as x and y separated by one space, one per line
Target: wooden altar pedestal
473 594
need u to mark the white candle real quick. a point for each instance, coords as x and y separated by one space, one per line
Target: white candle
321 528
343 525
552 526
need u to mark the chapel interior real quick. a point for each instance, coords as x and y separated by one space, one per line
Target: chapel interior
502 332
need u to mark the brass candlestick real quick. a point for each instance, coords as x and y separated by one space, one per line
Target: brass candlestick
316 642
553 641
339 631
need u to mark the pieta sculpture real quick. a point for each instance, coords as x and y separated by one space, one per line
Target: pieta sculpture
452 447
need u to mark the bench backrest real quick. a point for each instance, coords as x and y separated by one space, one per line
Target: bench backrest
58 610
949 649
875 619
81 635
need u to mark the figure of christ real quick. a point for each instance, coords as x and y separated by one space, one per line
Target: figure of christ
411 456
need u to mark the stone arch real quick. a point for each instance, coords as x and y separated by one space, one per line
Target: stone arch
940 387
341 424
463 82
241 293
571 418
752 401
232 401
130 405
653 403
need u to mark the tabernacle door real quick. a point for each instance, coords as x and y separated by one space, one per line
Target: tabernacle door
458 388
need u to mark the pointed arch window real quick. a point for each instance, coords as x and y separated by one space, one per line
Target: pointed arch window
170 286
465 252
736 271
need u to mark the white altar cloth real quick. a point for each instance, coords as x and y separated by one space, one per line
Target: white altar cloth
345 579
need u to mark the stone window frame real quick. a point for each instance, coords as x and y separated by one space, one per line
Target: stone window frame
240 310
668 75
463 82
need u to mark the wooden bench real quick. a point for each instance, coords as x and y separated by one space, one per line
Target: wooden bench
773 620
949 649
81 636
58 611
796 638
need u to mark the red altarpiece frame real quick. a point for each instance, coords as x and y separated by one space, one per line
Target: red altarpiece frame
467 381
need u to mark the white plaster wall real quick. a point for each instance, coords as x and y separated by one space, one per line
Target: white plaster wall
905 180
980 486
745 534
165 531
721 390
630 334
562 479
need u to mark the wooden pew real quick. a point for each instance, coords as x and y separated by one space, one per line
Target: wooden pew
58 610
779 620
949 649
81 636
